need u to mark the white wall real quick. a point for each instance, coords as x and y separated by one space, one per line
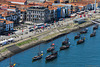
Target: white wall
12 10
63 12
99 4
18 2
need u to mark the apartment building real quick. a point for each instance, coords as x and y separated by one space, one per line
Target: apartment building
37 14
98 4
53 13
22 16
6 25
10 12
63 10
10 16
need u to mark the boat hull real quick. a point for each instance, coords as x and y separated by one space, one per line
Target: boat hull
50 49
83 32
96 27
80 41
64 47
77 37
92 35
51 58
34 59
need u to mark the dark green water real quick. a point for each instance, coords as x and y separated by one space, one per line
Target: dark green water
83 55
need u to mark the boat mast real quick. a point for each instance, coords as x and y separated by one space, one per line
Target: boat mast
39 48
66 38
10 61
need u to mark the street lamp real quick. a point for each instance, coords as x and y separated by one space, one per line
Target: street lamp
95 6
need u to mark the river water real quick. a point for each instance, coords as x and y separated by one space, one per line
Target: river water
83 55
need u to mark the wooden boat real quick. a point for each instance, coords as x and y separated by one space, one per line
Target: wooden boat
84 31
95 27
10 64
81 41
65 42
93 34
51 57
64 47
40 54
50 49
77 37
37 57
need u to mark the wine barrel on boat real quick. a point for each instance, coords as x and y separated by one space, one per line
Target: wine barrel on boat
81 41
95 27
93 34
51 56
50 49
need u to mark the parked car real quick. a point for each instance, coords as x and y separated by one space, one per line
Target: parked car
30 27
60 19
47 25
30 30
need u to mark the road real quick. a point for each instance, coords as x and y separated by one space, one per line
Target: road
19 36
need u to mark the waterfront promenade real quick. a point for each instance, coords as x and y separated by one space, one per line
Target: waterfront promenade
66 26
86 54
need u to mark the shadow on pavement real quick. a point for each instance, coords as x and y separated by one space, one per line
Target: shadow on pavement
14 49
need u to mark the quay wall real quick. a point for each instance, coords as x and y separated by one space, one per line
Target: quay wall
12 50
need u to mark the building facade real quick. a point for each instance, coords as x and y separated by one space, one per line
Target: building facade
38 14
22 16
6 25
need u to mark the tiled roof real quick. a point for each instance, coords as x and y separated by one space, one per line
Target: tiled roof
2 19
22 10
90 1
17 0
78 4
6 13
9 22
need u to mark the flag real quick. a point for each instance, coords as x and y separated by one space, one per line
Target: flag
54 21
45 24
9 34
80 15
22 30
41 54
53 44
42 27
14 64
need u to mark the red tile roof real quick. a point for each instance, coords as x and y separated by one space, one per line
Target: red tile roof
17 0
9 22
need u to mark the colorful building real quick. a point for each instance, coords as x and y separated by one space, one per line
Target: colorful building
6 25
